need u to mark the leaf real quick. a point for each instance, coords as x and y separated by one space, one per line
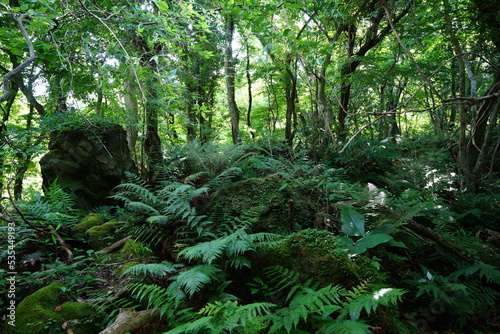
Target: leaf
162 5
387 228
353 223
373 240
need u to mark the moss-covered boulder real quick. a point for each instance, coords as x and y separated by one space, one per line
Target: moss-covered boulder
316 254
45 311
89 162
85 224
265 204
98 237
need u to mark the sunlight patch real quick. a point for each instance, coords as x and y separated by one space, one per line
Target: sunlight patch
381 293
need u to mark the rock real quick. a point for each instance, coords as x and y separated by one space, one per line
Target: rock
263 204
46 307
101 236
317 254
85 224
88 162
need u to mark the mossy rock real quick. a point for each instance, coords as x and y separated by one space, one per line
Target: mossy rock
98 237
262 203
317 254
132 250
39 313
85 224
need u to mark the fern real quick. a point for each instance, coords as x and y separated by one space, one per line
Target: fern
159 298
55 208
195 278
359 300
487 272
233 246
225 177
221 317
155 269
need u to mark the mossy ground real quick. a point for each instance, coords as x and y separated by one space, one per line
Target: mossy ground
45 311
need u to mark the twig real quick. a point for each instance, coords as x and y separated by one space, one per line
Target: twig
62 243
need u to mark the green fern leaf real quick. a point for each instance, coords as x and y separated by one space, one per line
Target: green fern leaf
207 251
194 279
155 269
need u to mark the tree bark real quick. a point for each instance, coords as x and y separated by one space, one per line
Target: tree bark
130 89
230 73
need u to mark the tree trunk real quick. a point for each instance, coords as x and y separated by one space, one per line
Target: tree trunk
250 97
152 142
291 99
230 73
132 111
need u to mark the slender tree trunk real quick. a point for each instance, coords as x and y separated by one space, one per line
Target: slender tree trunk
152 142
190 113
291 99
230 73
345 87
250 95
130 89
462 145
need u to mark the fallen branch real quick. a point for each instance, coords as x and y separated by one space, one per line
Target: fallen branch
113 246
129 320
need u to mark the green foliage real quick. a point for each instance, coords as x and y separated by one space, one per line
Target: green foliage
155 269
232 247
353 224
55 208
157 209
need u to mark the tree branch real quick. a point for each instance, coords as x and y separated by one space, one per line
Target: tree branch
6 78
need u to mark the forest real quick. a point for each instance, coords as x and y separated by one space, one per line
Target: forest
296 166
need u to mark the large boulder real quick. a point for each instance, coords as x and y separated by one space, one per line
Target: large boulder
89 162
264 204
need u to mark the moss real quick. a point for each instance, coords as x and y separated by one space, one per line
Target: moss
98 237
126 266
80 317
316 254
85 224
35 310
259 202
39 313
133 249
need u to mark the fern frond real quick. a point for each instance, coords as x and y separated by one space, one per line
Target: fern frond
139 207
138 192
370 301
155 296
282 278
207 251
226 176
345 327
194 279
488 272
155 269
191 179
